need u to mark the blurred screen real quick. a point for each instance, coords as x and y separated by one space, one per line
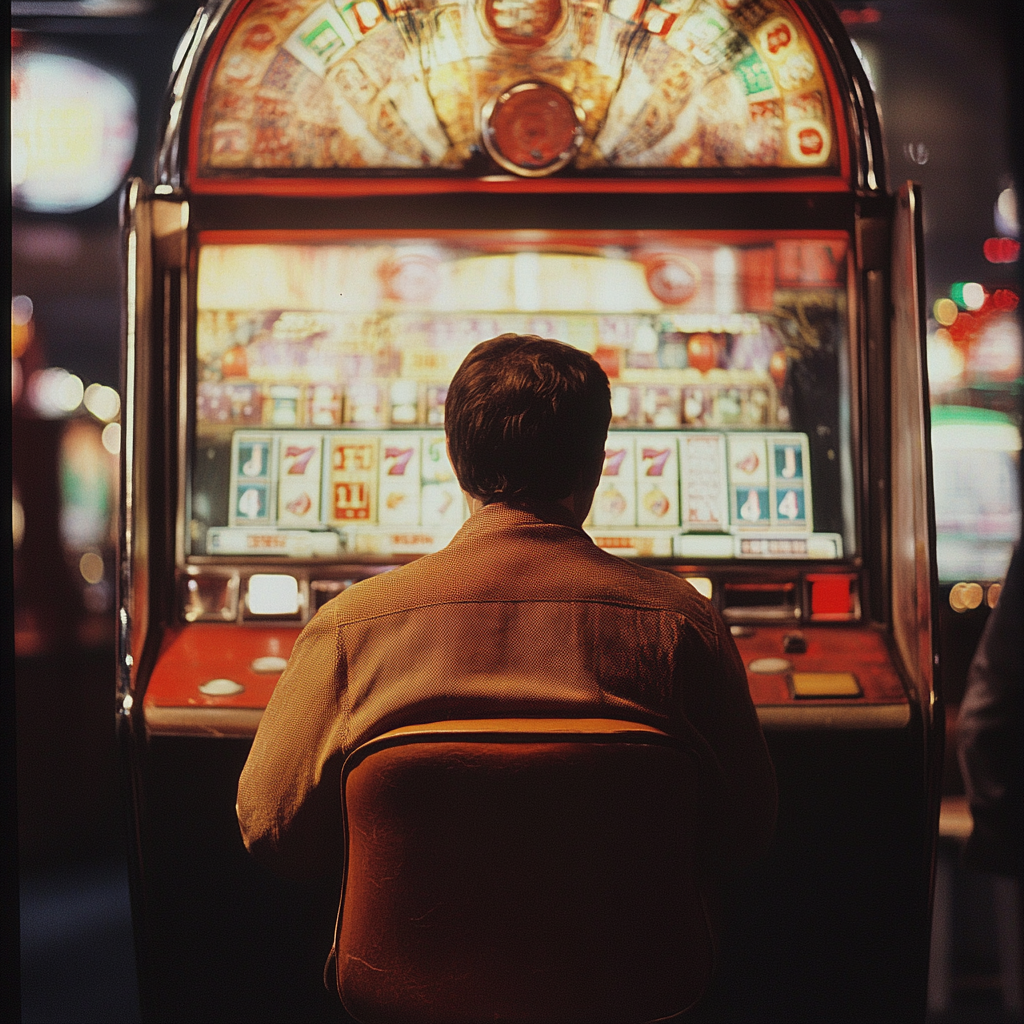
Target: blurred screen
321 370
976 457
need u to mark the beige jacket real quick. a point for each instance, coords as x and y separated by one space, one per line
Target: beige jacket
521 615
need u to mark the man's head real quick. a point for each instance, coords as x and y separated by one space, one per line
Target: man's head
526 420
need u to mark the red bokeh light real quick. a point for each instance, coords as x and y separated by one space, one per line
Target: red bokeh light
1002 250
1004 300
961 330
864 16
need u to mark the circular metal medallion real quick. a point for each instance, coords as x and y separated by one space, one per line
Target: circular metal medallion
532 129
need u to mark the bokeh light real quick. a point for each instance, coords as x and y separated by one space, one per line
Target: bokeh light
73 132
1006 213
103 402
111 438
945 311
17 521
974 295
54 392
90 565
21 325
946 363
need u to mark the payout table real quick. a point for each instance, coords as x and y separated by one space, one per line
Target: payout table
348 197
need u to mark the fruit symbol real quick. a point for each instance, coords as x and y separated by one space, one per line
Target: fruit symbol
656 502
394 499
613 501
749 463
300 505
700 351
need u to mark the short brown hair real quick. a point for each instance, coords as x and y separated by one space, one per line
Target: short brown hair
527 419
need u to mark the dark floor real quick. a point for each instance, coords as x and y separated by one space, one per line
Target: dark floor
77 955
78 964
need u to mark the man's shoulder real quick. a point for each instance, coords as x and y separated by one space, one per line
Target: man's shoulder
386 591
558 565
662 588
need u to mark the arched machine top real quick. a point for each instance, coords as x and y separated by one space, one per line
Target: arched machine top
344 96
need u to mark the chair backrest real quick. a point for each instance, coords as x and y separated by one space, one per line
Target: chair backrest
521 871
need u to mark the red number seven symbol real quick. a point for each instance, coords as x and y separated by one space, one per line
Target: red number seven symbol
401 457
658 457
613 461
301 457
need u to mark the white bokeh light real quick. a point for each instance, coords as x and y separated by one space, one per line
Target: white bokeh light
111 438
103 402
73 132
974 295
54 392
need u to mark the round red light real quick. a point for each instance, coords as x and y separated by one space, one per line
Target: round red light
1001 250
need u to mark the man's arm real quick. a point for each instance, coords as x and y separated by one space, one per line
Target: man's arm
289 793
717 703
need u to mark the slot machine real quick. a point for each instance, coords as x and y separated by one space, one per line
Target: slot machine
349 196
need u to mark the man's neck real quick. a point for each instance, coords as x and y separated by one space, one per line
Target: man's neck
577 504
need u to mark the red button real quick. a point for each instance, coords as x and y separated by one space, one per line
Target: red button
830 595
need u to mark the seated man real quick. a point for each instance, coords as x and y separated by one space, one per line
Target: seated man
520 615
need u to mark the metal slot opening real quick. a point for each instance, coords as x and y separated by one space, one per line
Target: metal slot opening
743 602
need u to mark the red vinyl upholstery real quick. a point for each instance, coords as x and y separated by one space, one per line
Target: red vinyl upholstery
521 871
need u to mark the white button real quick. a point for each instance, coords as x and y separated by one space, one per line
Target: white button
268 664
221 688
770 666
273 594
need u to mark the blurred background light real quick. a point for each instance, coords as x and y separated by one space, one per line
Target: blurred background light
54 392
996 354
945 311
111 438
90 565
1006 213
21 310
103 402
73 132
21 325
946 363
17 520
1001 250
973 295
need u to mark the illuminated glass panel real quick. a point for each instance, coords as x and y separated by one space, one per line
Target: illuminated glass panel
322 371
527 86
